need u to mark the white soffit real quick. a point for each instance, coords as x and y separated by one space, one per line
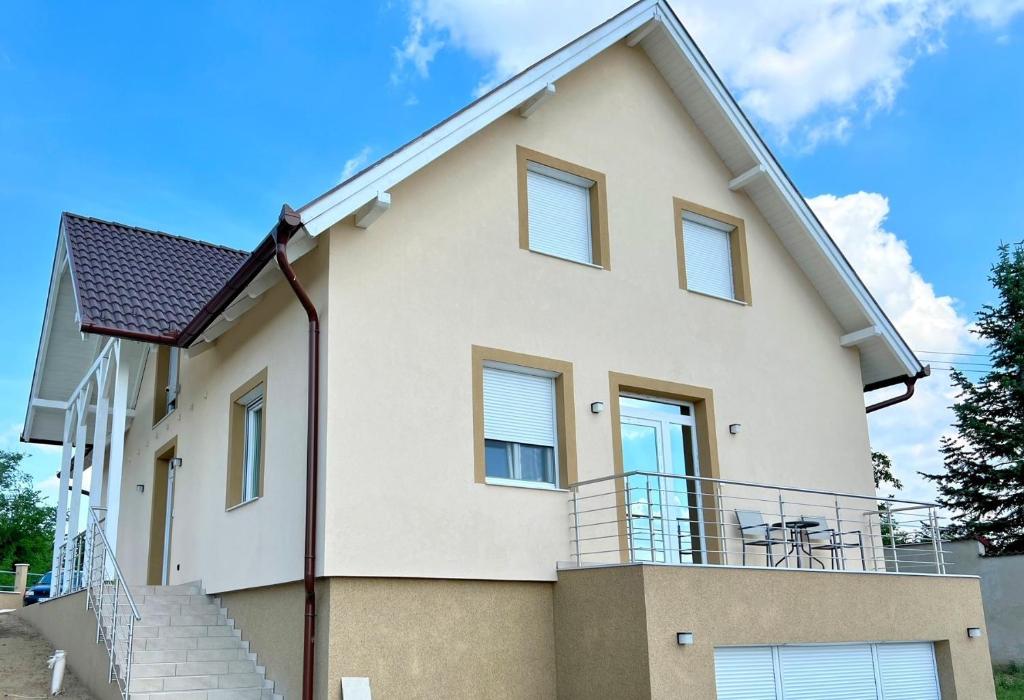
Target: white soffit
716 113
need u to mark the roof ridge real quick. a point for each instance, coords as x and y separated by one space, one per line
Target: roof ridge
155 232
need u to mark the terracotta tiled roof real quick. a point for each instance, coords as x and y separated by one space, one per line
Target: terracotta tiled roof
133 281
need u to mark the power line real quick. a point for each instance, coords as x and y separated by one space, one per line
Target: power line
959 354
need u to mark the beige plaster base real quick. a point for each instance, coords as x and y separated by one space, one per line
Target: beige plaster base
67 625
437 638
615 627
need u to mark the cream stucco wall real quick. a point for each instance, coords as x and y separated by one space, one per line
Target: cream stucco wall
260 543
443 270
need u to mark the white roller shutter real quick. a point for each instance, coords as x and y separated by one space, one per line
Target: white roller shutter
900 671
707 250
908 671
519 407
559 214
834 671
745 673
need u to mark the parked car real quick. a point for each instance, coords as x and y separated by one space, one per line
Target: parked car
40 591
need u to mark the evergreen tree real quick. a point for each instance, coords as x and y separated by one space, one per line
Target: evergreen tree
983 483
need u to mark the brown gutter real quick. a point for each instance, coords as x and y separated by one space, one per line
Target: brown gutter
909 381
288 223
245 274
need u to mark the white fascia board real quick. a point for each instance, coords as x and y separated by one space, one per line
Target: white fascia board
762 154
322 213
60 262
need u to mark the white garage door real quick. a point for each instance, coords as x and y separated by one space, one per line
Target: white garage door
904 671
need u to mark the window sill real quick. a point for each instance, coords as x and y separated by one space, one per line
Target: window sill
164 418
738 302
243 503
535 486
575 262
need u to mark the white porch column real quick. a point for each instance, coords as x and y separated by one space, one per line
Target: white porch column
75 507
99 438
62 501
117 425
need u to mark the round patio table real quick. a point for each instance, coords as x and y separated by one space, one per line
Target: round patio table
800 541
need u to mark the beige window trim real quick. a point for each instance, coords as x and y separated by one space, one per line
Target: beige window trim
737 244
236 442
161 379
598 202
565 421
703 401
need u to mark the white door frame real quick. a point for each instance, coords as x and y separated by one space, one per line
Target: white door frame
168 522
660 420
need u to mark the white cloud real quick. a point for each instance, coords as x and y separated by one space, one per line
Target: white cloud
356 163
908 432
804 68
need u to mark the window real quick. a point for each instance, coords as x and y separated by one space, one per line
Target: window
712 252
523 422
253 447
562 209
165 394
247 441
519 425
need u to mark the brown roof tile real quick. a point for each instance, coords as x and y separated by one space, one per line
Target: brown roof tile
144 283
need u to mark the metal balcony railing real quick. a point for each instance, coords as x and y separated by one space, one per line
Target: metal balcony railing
660 518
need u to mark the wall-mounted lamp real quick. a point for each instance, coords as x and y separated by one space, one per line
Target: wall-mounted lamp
735 428
684 639
973 632
597 407
140 487
175 462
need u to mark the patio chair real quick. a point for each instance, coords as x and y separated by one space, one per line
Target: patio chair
755 532
826 538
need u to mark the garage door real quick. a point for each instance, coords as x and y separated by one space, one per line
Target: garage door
904 671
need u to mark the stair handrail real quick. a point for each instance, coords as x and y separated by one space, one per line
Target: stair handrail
99 551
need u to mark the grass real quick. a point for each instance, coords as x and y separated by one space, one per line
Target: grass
1010 683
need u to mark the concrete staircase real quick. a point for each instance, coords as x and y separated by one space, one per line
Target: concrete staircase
185 647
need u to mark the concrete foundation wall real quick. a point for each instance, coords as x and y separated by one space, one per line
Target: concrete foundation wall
67 625
599 614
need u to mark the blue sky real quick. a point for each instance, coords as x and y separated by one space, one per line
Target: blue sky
202 118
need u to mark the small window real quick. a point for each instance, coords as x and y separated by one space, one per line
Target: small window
253 448
165 394
520 430
247 441
712 253
563 211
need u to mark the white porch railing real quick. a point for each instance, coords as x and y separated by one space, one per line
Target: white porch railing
659 518
97 409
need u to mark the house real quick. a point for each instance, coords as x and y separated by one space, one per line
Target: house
564 398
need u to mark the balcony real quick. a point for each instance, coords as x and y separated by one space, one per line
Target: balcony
667 519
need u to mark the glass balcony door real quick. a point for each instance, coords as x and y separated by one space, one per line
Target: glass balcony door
663 512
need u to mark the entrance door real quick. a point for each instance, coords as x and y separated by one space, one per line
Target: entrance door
161 519
664 512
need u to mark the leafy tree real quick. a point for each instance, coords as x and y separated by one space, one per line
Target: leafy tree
881 465
983 480
26 522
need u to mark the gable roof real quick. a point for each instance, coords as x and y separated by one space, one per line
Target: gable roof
652 26
142 284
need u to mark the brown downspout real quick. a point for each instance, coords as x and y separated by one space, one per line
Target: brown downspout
288 223
908 381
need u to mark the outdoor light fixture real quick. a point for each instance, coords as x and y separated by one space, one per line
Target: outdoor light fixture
684 639
140 487
973 632
597 407
735 428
